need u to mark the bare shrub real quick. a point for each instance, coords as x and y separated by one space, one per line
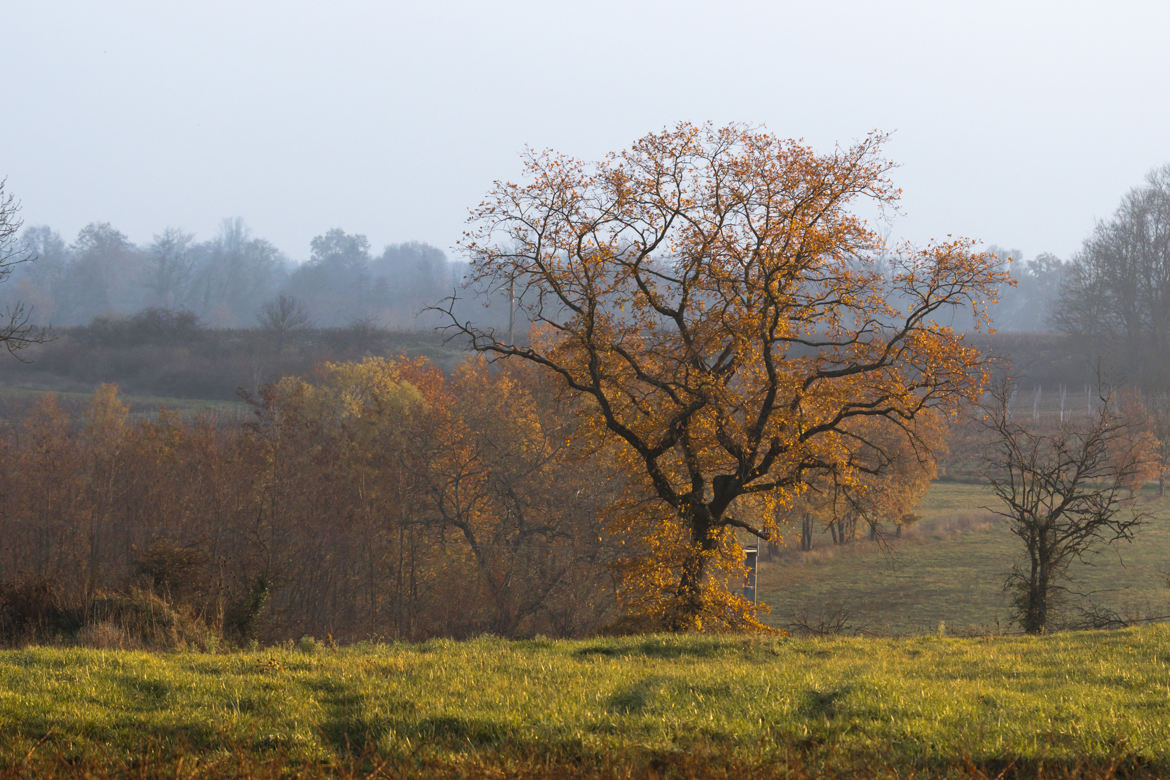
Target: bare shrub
832 621
34 609
175 570
142 619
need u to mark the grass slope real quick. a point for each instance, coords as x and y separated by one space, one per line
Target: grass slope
1061 705
950 571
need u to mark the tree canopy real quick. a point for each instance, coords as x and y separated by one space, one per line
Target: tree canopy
1118 289
714 300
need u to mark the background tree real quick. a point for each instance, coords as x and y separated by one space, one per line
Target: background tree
1117 289
409 279
15 330
282 317
403 502
893 474
231 273
1137 440
169 268
36 286
334 284
1158 410
714 301
1028 306
105 435
1060 493
106 274
44 497
510 477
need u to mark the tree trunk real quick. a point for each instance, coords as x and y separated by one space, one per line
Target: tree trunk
1036 609
686 612
688 607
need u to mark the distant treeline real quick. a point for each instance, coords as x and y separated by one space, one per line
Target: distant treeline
164 353
237 280
247 314
233 280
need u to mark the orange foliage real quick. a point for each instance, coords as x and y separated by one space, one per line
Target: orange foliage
373 499
1136 441
720 311
893 473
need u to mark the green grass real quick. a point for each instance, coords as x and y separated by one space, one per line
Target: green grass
1061 705
140 405
950 570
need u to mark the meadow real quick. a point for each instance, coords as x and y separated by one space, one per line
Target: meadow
1071 704
15 402
948 572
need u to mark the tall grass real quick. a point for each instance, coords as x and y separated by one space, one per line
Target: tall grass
1060 705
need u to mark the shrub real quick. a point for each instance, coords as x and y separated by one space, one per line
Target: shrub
174 570
34 609
141 619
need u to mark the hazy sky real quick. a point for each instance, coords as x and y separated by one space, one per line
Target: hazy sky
1017 123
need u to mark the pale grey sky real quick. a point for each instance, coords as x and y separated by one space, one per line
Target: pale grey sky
1017 123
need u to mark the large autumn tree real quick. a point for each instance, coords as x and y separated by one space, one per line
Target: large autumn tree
714 301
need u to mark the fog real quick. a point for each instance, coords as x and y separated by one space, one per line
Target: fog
233 279
1016 124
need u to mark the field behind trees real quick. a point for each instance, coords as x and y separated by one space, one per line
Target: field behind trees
947 573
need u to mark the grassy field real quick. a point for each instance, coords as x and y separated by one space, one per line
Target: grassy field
949 571
16 401
1062 705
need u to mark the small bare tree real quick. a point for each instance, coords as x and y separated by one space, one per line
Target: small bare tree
1060 492
284 314
16 332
